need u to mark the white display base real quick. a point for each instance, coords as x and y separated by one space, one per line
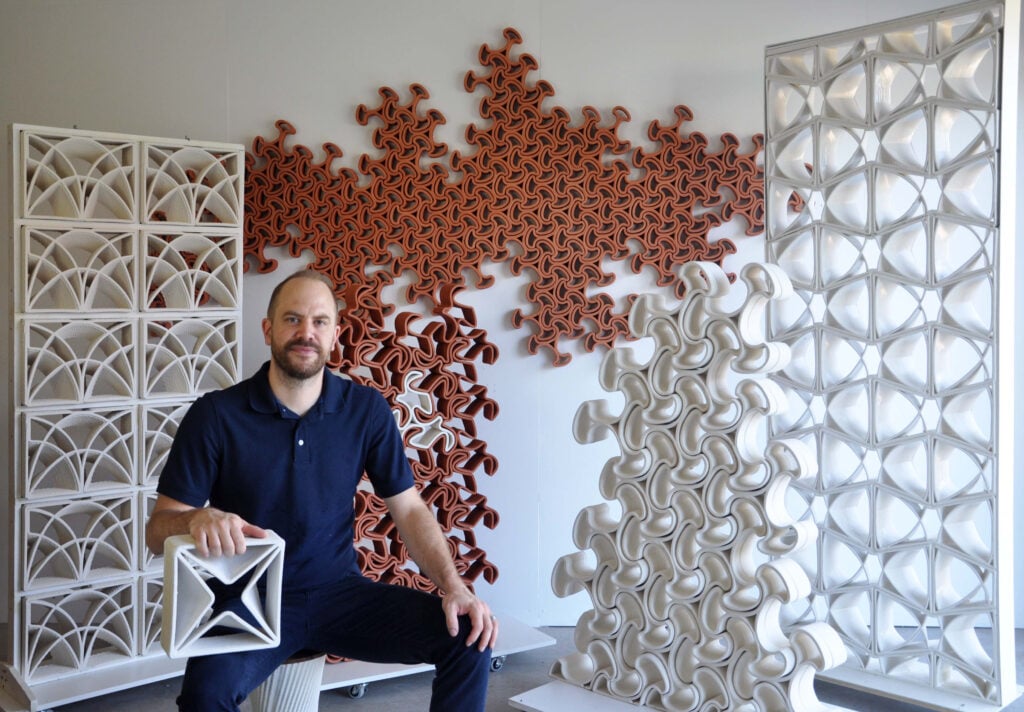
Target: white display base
557 696
908 692
99 681
513 637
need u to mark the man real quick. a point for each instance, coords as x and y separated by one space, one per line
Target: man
284 450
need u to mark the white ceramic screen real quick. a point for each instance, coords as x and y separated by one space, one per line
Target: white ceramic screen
882 171
126 264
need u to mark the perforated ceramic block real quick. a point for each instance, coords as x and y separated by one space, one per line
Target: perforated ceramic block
78 361
193 185
77 270
78 177
192 271
66 632
189 620
187 357
70 453
84 539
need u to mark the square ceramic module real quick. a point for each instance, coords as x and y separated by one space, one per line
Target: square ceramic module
188 615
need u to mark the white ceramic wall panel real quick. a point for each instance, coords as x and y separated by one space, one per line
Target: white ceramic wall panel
882 185
126 264
688 581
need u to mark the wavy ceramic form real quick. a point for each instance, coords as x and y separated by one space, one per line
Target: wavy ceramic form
688 583
888 137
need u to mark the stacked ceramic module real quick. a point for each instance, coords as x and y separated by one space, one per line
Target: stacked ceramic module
126 264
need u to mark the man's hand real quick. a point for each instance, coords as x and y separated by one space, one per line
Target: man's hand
219 533
485 626
215 532
426 543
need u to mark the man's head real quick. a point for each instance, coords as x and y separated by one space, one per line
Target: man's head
301 326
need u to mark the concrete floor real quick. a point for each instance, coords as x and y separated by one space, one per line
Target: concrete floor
520 673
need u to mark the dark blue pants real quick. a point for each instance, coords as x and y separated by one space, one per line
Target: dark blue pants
357 619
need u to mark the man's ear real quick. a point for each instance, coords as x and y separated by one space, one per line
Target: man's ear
266 330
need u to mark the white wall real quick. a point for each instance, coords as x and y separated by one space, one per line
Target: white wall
225 70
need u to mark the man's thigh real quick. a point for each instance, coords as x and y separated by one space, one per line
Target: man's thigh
374 622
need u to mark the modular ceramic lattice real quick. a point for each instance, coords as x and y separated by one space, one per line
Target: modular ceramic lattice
78 270
192 271
688 581
193 185
126 266
882 182
189 356
89 628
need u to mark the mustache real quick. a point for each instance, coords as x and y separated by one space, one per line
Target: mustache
302 342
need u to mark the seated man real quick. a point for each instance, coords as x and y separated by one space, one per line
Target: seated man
285 450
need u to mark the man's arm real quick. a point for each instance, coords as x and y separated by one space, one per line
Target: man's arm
425 541
216 532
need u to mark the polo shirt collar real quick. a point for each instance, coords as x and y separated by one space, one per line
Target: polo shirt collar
262 399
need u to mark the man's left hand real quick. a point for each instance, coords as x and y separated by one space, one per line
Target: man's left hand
485 626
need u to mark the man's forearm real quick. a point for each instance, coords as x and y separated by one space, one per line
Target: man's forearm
427 545
165 523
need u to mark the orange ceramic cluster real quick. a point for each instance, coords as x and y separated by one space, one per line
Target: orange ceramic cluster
551 197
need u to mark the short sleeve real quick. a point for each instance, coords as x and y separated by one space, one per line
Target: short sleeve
387 464
191 468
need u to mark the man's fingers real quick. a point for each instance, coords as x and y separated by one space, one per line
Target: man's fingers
237 540
201 547
254 531
490 636
452 617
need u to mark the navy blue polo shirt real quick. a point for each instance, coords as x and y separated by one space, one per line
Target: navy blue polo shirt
245 453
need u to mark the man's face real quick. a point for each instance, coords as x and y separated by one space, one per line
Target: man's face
303 328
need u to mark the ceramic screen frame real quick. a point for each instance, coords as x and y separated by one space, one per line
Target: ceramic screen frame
884 150
126 266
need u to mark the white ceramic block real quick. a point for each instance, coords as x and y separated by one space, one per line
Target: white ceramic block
188 616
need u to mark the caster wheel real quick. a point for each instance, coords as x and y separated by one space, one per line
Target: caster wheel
357 691
497 663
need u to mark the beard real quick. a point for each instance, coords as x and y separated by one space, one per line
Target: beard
293 366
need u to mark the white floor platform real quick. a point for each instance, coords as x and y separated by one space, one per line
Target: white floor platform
559 696
513 637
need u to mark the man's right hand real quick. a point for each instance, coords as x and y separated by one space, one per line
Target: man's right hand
215 532
219 533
